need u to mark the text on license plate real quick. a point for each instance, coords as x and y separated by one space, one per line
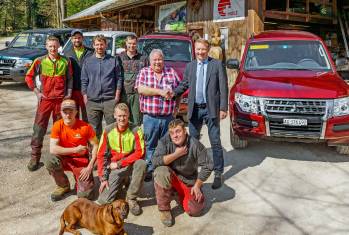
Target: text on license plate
295 122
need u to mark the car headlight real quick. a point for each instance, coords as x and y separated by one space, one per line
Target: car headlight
248 104
23 63
341 107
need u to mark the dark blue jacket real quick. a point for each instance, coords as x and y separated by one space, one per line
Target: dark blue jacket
77 64
100 78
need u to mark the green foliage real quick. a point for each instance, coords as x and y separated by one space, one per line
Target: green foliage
16 15
75 6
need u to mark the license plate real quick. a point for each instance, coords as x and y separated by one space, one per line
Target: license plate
1 72
295 122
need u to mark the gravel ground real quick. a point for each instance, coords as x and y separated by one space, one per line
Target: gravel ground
270 187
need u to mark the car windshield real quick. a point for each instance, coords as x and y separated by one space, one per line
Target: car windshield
30 40
287 55
88 42
174 50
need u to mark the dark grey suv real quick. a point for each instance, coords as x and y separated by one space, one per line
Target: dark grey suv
18 55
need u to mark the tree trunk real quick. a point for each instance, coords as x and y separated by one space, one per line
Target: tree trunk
29 13
58 13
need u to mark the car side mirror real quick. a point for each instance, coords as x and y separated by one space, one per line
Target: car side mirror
7 43
341 61
232 64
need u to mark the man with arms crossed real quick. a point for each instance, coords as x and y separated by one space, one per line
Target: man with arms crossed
68 146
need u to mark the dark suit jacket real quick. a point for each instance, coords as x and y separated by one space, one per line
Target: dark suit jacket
216 87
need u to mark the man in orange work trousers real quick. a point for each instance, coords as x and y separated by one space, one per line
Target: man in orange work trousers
69 152
50 77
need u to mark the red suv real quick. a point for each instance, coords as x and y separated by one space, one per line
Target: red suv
178 49
288 89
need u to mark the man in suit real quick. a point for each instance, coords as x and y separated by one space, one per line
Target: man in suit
207 101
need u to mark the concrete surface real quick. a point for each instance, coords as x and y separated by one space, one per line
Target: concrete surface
270 188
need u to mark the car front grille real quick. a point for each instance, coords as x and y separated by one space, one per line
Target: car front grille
296 107
7 62
4 71
276 110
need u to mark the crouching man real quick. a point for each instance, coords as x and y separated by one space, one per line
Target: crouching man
120 155
68 146
176 161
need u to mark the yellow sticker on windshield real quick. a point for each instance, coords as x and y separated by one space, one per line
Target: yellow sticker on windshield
259 47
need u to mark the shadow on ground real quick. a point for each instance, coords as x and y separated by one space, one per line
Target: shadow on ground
14 86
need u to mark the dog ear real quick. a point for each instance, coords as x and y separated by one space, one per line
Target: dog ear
117 212
108 215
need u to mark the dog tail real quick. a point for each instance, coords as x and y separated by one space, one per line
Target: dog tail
61 231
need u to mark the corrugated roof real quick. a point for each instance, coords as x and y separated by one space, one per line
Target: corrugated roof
124 3
91 11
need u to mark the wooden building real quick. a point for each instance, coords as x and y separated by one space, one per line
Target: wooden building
237 20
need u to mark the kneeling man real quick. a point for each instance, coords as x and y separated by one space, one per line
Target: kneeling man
176 161
69 149
120 154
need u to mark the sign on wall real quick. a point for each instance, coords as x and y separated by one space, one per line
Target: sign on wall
172 17
228 10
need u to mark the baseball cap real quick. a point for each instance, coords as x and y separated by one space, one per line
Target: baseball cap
75 31
68 104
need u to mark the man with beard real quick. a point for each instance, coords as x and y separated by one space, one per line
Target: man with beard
101 84
54 72
77 55
132 63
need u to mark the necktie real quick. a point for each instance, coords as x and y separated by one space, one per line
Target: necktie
200 85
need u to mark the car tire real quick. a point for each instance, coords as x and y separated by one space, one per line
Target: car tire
342 150
236 141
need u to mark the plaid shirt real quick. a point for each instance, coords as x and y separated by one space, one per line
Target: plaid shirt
157 105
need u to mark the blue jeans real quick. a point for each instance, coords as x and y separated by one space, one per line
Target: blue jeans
200 116
155 127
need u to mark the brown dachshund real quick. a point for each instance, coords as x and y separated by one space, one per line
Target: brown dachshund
104 220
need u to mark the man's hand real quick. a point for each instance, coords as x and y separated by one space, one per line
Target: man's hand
181 151
196 192
166 93
85 98
38 94
85 173
81 150
115 165
68 96
104 184
175 112
117 96
222 115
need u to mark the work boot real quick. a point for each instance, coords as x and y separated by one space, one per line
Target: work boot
134 207
166 218
59 193
33 164
217 181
